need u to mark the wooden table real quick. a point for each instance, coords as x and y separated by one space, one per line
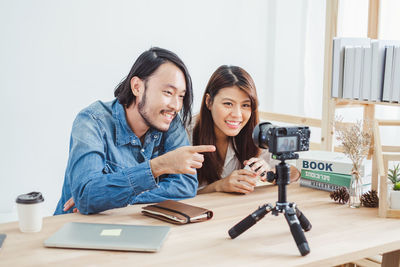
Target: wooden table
339 235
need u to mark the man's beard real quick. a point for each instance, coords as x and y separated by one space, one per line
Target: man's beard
145 116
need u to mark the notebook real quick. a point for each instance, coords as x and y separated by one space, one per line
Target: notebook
177 212
144 238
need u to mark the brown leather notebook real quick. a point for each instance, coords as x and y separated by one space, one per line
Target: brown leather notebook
177 212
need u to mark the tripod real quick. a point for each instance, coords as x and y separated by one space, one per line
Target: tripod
295 218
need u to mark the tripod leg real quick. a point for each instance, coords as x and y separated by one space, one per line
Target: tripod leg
297 231
249 221
304 222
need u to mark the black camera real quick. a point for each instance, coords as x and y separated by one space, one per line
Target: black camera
282 141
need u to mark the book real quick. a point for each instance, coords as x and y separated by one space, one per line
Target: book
358 63
338 61
318 185
366 74
332 178
327 177
396 75
348 71
327 161
387 80
304 182
377 67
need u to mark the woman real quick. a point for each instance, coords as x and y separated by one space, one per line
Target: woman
227 117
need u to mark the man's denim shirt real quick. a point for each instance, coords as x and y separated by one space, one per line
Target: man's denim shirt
108 167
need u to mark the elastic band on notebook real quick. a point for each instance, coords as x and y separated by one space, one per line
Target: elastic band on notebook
176 211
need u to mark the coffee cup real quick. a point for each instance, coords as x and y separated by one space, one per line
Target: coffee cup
29 208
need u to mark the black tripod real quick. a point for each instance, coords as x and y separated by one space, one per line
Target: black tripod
295 218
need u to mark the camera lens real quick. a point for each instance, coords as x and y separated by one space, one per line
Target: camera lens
260 134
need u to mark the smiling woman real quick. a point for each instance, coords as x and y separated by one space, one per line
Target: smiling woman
227 118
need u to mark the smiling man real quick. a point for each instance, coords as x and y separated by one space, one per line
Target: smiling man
135 149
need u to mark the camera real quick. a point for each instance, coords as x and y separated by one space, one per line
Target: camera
282 142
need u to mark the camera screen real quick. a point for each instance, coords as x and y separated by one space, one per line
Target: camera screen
286 144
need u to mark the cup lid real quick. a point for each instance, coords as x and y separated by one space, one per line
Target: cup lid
30 198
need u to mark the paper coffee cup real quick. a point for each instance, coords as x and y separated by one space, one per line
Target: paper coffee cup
29 208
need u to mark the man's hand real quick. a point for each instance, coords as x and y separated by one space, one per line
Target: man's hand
69 204
185 159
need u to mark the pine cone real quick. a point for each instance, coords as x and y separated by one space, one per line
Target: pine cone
341 194
370 199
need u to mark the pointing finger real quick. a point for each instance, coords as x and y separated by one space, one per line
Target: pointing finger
203 148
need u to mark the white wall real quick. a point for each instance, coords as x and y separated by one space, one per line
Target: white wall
57 57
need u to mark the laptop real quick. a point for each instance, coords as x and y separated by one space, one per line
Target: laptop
144 238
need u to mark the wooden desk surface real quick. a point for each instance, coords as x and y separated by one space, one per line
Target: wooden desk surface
339 235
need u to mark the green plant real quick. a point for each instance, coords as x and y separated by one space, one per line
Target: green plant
394 176
397 186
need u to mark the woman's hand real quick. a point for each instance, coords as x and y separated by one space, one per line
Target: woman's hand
69 204
259 166
239 181
294 174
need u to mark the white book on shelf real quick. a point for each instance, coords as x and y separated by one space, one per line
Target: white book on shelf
366 74
396 75
338 61
387 80
358 61
378 67
348 72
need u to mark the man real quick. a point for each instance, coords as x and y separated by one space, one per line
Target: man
135 148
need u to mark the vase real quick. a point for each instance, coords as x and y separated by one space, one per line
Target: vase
395 199
355 191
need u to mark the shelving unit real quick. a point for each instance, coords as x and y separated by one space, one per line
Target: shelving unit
383 155
330 105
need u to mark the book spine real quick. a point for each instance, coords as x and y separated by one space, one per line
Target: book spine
318 185
358 63
366 82
387 80
396 75
331 178
348 71
336 89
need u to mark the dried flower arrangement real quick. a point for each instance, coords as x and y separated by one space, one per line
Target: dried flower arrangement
356 144
354 140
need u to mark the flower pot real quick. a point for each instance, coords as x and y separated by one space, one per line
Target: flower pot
395 199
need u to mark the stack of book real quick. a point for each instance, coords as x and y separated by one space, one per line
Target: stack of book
329 171
366 69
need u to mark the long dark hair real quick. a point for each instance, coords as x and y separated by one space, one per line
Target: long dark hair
146 64
203 132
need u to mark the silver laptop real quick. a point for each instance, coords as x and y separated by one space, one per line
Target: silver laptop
146 238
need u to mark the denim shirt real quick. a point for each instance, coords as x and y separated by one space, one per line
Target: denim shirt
109 167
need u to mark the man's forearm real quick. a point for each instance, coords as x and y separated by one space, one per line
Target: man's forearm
94 193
